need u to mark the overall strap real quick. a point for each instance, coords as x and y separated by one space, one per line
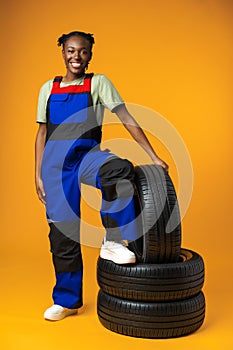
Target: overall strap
86 87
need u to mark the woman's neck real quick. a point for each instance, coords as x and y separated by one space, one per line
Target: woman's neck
68 78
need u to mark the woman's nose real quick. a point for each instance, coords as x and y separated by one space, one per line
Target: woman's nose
76 55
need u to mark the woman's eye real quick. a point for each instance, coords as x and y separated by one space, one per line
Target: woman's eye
84 52
70 51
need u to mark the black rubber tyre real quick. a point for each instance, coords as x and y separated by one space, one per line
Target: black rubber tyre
151 320
153 282
158 216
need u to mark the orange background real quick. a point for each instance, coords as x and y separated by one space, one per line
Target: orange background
172 56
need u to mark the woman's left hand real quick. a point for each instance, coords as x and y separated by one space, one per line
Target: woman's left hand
160 162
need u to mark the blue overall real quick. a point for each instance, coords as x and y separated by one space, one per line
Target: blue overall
72 156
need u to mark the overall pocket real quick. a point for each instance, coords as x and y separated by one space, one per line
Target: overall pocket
68 108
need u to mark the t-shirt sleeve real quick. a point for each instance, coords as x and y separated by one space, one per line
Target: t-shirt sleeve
108 94
42 102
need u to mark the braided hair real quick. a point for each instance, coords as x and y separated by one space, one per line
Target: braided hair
89 37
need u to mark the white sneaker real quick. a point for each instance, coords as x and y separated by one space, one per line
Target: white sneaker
57 313
117 252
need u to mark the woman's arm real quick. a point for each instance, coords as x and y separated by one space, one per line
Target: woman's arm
39 150
137 133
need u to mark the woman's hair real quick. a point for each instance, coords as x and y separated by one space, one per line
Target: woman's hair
89 37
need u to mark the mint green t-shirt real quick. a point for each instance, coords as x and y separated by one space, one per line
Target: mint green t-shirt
103 92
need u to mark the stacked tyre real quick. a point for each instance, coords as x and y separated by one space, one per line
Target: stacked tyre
161 295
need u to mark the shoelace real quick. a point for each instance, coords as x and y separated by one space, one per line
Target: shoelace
57 308
112 244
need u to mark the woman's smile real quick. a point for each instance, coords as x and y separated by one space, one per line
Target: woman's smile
75 64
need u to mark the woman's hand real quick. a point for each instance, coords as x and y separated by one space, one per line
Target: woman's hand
160 162
40 190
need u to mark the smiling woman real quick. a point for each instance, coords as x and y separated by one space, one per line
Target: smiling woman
77 53
70 115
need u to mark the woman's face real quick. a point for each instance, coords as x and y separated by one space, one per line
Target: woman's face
76 54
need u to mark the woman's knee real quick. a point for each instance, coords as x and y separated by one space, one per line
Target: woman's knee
117 179
115 169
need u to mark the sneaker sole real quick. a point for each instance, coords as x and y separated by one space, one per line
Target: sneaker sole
61 317
112 257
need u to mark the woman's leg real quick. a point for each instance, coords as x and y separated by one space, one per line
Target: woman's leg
116 181
60 177
115 178
67 261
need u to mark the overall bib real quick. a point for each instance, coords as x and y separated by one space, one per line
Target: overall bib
72 156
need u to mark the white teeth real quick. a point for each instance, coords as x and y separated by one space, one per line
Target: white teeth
75 64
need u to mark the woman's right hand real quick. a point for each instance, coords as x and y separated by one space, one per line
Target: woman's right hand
40 190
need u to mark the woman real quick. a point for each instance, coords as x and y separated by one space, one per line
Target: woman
70 115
